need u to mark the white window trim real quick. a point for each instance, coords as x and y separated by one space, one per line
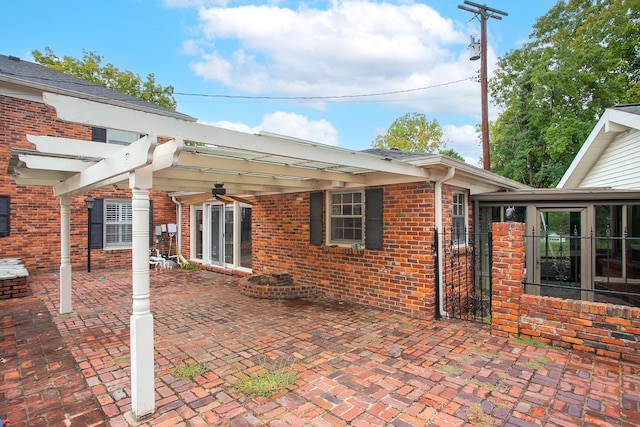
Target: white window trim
119 245
329 217
464 216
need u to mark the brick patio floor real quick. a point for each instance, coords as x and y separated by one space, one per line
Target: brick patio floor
355 365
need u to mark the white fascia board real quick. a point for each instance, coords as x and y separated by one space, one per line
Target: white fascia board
189 159
126 159
103 115
167 155
584 160
41 175
612 121
209 178
623 118
168 184
54 163
72 147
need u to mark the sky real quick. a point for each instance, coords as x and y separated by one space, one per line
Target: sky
336 72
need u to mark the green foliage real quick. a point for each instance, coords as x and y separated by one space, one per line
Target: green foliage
267 379
451 153
412 132
583 57
189 266
90 68
188 372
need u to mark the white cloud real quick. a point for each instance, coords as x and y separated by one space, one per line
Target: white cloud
352 47
289 124
464 139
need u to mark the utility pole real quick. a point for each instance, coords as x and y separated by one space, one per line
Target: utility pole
484 12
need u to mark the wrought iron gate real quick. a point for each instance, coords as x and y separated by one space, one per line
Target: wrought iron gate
465 274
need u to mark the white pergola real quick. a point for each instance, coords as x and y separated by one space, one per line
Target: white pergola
246 164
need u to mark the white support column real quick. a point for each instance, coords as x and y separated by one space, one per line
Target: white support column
65 254
142 343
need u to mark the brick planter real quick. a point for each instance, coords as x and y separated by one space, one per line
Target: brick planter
13 279
274 286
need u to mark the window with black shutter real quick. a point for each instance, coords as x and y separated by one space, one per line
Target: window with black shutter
355 217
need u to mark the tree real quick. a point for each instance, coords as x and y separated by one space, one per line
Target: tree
583 57
451 153
90 68
413 132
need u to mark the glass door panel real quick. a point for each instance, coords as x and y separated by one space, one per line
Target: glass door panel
228 234
216 243
198 233
559 254
245 236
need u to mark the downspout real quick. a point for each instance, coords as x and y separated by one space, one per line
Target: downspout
438 208
179 227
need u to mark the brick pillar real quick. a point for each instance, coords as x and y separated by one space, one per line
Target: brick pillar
507 277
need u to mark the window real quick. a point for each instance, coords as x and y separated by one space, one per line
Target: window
118 216
113 136
459 218
353 217
346 217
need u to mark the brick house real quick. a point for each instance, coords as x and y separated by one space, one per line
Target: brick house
30 212
360 226
357 225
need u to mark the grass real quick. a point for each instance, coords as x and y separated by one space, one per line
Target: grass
450 370
478 417
530 341
266 379
189 266
188 372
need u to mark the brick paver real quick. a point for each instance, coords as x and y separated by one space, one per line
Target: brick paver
40 382
355 365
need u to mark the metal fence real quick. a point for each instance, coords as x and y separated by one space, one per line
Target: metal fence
594 268
466 274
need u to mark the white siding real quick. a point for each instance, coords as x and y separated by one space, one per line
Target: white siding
618 166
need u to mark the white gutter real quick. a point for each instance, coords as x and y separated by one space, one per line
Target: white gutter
179 227
438 208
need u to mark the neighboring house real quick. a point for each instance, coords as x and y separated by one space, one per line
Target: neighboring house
30 213
584 235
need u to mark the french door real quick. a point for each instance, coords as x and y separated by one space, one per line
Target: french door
226 235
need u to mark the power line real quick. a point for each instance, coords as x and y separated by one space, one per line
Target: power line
307 98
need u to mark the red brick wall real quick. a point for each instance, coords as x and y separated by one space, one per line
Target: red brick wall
604 329
400 277
16 287
35 212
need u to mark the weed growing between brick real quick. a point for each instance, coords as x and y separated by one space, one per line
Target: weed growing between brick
266 379
188 372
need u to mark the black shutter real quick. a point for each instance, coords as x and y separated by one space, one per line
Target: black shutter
373 218
5 211
97 215
99 134
315 218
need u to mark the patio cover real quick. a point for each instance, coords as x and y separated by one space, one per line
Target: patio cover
245 164
192 159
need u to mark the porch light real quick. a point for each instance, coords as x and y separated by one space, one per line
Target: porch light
89 202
